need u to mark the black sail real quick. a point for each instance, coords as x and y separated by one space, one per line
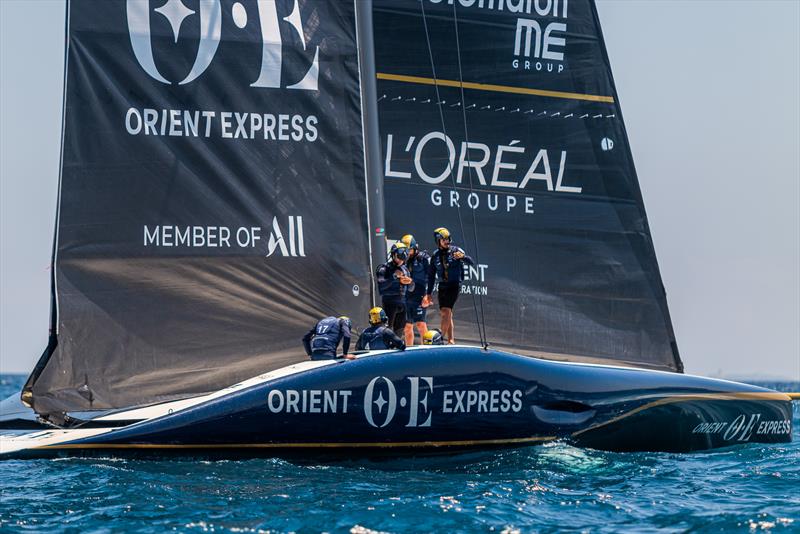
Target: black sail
531 171
212 195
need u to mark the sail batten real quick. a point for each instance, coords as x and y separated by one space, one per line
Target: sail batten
494 88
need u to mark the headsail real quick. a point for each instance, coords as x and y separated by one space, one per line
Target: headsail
212 197
534 161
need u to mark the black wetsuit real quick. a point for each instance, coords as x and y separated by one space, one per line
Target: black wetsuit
393 293
449 272
418 266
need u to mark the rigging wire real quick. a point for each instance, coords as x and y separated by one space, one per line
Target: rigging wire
482 323
439 103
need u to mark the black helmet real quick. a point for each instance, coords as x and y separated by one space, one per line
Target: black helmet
399 250
346 320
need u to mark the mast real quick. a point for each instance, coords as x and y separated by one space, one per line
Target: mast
373 169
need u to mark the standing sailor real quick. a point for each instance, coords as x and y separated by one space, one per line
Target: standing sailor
378 336
321 341
447 266
418 263
393 281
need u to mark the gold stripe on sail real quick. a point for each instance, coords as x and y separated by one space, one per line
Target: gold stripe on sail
494 88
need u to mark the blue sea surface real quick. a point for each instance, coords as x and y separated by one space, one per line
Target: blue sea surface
546 488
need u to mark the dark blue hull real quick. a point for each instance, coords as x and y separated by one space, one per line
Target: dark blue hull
441 398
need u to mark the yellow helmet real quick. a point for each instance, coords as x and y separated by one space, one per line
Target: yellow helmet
377 316
347 320
409 241
441 233
432 337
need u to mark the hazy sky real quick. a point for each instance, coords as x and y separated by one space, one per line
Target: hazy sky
709 90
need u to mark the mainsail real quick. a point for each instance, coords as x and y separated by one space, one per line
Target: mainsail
500 120
212 195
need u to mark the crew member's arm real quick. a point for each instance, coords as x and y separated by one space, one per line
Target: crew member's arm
384 279
392 340
410 286
431 272
307 341
426 263
459 254
431 277
346 341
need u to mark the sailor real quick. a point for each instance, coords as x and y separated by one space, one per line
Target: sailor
378 336
321 341
447 267
393 281
433 337
418 263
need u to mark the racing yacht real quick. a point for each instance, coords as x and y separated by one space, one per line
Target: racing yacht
230 172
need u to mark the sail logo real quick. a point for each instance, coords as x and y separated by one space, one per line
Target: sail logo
293 245
474 282
210 13
438 160
287 241
538 45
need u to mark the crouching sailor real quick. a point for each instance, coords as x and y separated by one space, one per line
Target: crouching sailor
378 336
433 337
321 341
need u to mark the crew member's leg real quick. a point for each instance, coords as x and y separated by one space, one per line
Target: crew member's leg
447 299
400 321
415 314
408 332
420 314
397 316
447 324
422 327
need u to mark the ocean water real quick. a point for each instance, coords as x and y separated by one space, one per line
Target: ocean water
547 488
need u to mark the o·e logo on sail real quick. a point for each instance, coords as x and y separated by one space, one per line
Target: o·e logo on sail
210 15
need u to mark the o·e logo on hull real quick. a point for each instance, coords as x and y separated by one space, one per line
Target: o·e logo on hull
380 402
419 410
